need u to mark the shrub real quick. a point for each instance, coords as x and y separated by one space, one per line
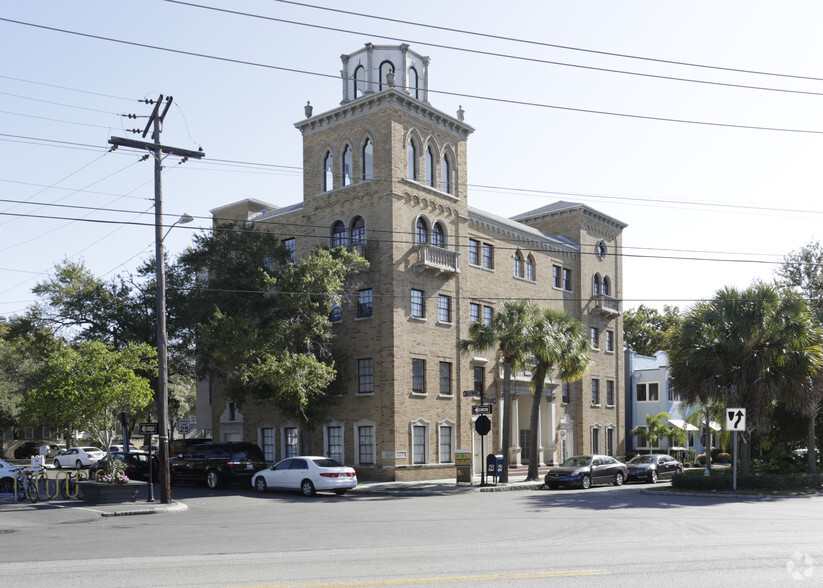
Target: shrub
724 458
701 459
722 480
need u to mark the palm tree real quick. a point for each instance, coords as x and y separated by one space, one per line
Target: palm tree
747 349
654 430
557 342
508 332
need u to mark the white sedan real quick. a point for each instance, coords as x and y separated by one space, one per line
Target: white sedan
79 457
7 472
308 474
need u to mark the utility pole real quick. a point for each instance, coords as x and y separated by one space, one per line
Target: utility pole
157 149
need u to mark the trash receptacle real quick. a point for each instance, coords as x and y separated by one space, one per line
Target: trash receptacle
494 466
463 462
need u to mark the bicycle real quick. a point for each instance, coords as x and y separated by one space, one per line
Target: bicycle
25 483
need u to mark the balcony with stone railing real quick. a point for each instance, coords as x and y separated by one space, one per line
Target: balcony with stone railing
437 260
607 305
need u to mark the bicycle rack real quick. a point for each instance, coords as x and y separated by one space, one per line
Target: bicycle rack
70 489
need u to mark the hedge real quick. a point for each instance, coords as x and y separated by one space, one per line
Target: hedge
722 480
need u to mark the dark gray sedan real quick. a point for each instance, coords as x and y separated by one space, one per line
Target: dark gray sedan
654 467
585 471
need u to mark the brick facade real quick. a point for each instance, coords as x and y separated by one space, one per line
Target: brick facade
406 414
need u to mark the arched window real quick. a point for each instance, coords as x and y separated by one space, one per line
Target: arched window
429 167
518 264
530 269
414 82
328 172
438 235
607 286
446 175
422 230
358 231
412 152
347 165
596 285
359 81
338 234
368 160
386 68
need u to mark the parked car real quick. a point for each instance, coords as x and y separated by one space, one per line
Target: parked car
79 457
177 446
136 465
7 471
586 471
217 463
308 474
30 448
654 467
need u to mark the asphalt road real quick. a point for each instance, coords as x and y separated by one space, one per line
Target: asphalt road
601 537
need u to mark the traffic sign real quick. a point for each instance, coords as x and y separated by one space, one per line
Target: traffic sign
735 419
148 428
482 425
482 409
488 400
472 393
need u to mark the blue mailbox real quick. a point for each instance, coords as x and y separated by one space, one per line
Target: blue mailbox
494 465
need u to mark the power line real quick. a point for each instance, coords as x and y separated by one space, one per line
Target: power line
495 54
544 44
66 88
445 93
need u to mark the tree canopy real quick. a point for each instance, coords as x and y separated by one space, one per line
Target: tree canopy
646 330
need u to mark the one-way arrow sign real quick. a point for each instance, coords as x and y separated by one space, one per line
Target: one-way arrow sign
735 419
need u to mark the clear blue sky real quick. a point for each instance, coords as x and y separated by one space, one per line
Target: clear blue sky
689 192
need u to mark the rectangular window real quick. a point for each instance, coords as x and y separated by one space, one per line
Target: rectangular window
418 444
365 445
609 392
648 392
610 442
444 308
595 440
418 376
474 312
640 441
474 252
364 303
567 279
609 340
595 391
365 376
556 276
446 443
445 378
292 444
530 269
594 335
334 449
479 378
418 309
564 392
488 256
267 439
488 311
289 246
336 314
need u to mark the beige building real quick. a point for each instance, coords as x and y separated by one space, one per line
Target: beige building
385 173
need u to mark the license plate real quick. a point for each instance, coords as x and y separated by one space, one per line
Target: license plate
249 466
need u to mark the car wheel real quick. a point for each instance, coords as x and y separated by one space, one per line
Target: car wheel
679 471
307 488
57 464
586 482
654 477
212 479
78 464
260 484
341 492
552 486
618 479
6 485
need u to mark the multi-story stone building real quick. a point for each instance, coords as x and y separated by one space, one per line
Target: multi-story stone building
386 173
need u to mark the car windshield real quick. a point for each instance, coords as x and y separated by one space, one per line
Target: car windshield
642 459
328 463
576 462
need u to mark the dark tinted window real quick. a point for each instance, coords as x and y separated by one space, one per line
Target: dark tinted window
194 452
219 452
283 465
328 463
299 464
247 452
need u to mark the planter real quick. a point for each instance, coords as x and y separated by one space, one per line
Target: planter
97 493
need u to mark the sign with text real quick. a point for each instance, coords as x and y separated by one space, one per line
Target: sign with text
148 428
482 409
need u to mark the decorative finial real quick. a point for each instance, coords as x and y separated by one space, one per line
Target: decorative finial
460 113
308 109
390 78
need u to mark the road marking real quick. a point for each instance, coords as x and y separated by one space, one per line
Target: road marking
444 579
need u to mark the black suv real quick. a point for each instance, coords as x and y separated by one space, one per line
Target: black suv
30 448
217 463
